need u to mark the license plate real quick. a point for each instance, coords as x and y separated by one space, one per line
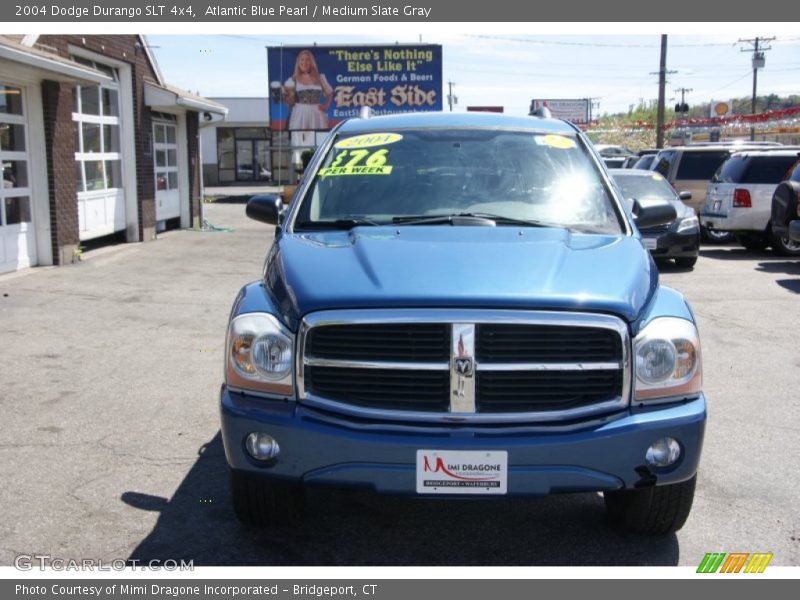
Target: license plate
650 243
462 472
717 204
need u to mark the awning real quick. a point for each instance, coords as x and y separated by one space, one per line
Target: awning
50 66
160 97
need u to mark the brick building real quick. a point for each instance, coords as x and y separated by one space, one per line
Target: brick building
93 142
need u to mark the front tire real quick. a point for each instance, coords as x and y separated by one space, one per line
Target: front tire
655 510
716 237
686 262
753 241
784 246
259 502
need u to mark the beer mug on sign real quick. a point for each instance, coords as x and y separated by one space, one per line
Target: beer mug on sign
276 92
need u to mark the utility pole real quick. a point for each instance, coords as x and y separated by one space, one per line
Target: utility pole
592 104
758 63
451 99
662 83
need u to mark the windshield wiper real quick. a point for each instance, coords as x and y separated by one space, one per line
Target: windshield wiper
478 218
346 223
502 220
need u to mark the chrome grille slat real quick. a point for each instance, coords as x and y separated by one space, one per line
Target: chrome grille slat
377 364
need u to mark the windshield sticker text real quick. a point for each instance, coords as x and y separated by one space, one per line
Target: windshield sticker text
369 141
358 161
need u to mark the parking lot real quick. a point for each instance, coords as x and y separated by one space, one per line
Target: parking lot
110 447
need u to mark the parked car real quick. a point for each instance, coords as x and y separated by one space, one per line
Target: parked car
615 162
785 215
740 195
738 144
690 168
645 161
630 162
459 305
613 150
678 240
616 157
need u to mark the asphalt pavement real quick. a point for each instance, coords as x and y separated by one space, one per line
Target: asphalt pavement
110 447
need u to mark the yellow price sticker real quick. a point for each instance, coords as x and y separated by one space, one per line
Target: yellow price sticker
359 161
355 170
369 140
558 141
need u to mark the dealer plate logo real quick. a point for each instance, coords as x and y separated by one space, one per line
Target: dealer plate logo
462 472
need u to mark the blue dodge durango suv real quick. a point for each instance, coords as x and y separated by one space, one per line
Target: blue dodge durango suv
461 305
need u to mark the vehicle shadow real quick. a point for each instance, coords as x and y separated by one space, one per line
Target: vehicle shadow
342 527
789 267
667 266
737 253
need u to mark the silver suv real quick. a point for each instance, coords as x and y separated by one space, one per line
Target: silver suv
690 168
739 198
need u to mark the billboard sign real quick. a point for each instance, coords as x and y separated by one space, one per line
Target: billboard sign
315 87
576 111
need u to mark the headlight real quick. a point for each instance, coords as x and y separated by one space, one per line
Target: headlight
667 360
689 224
258 355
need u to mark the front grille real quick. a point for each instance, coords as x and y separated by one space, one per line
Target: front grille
656 231
545 343
388 389
534 391
425 364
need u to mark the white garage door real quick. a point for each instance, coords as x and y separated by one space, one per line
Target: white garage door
17 238
165 150
98 156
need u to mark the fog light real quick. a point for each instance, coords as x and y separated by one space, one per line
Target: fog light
663 452
261 446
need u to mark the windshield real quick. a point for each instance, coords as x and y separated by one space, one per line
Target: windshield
645 187
754 169
419 176
700 165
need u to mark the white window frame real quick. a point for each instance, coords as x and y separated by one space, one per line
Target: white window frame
127 135
83 157
20 156
166 147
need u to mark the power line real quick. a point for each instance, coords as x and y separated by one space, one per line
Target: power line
615 45
727 85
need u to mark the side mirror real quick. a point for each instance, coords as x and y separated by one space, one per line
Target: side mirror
267 208
653 215
685 195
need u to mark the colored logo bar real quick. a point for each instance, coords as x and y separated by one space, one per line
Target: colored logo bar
735 562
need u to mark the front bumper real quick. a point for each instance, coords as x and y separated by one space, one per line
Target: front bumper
674 245
323 449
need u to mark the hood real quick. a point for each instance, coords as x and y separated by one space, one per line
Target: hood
459 266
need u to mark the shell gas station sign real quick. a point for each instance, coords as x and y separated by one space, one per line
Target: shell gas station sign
721 108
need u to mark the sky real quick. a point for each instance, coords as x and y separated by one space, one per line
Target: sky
510 69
